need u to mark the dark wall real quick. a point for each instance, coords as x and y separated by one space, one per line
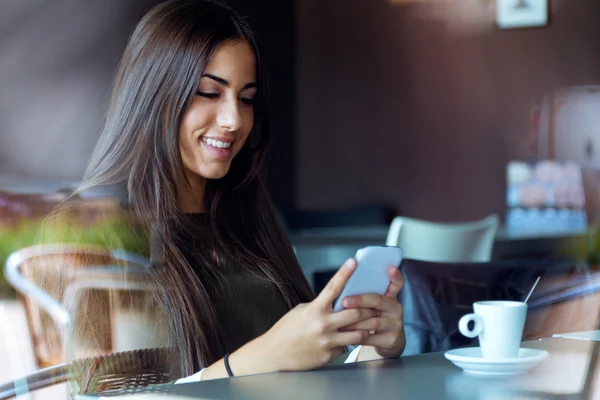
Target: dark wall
57 61
392 107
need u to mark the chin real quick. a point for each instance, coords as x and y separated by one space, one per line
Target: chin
215 174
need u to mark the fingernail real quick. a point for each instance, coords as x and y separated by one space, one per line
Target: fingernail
347 302
349 264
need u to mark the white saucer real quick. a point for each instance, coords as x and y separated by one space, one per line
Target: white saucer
470 361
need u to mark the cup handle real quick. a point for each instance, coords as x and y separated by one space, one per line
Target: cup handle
463 325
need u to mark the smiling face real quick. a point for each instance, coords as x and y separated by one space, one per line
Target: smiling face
221 116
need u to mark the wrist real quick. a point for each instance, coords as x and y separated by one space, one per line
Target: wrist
268 355
254 357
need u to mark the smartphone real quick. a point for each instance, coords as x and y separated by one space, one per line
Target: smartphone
371 274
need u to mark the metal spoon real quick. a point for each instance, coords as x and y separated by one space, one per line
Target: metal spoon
531 291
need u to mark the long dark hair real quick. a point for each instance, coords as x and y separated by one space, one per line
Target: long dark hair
155 84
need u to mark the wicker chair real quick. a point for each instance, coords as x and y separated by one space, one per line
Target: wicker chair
51 295
117 373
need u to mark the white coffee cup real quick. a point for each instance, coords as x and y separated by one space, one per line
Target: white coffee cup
499 325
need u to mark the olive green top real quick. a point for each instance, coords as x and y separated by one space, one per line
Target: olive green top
246 306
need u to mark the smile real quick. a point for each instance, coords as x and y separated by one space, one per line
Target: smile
216 143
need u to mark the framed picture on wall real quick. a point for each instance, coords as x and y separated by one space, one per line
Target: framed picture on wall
575 119
521 13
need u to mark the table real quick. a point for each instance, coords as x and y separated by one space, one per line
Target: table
587 335
427 376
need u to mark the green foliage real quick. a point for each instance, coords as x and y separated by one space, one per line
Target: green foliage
110 232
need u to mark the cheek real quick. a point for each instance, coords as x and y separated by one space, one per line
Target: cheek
185 140
186 152
198 117
195 120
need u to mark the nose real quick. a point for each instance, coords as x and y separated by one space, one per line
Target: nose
229 116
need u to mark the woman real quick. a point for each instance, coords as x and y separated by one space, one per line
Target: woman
187 133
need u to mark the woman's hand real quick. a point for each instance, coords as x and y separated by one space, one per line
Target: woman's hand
387 330
309 335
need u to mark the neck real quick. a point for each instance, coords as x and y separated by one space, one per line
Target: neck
191 198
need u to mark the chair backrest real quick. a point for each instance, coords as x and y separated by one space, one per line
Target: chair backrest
436 295
41 278
116 374
123 372
456 242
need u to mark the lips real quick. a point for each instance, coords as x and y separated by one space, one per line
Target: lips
219 148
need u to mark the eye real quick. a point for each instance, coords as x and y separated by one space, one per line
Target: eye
247 101
207 95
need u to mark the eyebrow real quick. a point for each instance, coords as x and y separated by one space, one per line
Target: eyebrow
223 82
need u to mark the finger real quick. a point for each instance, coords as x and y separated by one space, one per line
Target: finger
375 301
396 282
385 340
335 285
377 324
349 338
350 317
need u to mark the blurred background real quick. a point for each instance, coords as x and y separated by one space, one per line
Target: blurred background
436 111
379 102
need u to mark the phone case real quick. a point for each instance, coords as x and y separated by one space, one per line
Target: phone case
371 274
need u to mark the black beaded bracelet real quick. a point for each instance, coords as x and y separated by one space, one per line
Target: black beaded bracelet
227 367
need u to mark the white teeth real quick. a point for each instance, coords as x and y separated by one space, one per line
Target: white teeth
217 143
